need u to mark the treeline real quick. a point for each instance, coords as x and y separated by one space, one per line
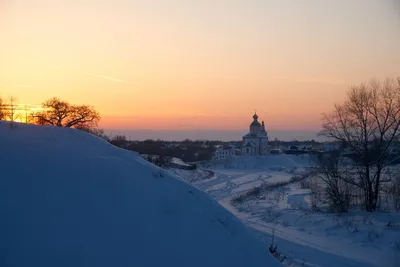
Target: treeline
192 150
187 150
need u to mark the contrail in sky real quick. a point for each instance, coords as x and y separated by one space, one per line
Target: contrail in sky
106 77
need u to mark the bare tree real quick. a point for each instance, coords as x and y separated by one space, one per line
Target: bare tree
395 191
2 110
119 138
336 191
11 110
27 115
368 123
99 133
62 114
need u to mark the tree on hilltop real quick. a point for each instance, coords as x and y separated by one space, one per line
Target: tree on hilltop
10 110
62 114
2 111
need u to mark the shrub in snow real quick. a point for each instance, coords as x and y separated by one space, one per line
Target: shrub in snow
273 250
305 184
337 189
395 191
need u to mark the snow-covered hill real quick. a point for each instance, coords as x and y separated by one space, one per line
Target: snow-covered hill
70 199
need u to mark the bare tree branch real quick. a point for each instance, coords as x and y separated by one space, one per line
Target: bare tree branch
368 123
62 114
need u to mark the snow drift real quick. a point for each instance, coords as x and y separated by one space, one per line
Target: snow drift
70 199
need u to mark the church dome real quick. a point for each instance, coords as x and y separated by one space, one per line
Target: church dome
255 122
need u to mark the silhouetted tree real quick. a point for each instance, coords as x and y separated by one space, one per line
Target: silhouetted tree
2 110
119 138
99 133
10 110
62 114
368 123
26 116
336 192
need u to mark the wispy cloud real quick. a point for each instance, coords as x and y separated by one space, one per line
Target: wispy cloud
319 80
106 77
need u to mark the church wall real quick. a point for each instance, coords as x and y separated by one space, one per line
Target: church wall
264 145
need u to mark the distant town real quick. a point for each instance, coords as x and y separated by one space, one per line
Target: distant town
254 143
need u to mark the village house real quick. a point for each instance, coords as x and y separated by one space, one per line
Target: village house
224 152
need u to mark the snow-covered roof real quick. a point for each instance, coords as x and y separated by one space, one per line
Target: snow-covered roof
225 147
72 199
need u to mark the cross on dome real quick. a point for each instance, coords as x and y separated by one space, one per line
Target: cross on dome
255 116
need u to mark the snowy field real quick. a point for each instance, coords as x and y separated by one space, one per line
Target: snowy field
304 237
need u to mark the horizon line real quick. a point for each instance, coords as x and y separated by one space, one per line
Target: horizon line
210 129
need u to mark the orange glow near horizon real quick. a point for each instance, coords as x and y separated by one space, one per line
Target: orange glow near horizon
22 112
207 64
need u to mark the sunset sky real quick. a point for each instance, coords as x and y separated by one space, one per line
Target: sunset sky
199 64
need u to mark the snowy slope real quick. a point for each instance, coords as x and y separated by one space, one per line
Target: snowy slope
71 199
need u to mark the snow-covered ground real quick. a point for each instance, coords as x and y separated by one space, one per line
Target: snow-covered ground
193 176
306 238
178 161
277 162
70 199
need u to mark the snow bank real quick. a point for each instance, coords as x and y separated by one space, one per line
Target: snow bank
178 161
70 199
192 176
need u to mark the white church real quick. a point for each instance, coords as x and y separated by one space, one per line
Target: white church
255 143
